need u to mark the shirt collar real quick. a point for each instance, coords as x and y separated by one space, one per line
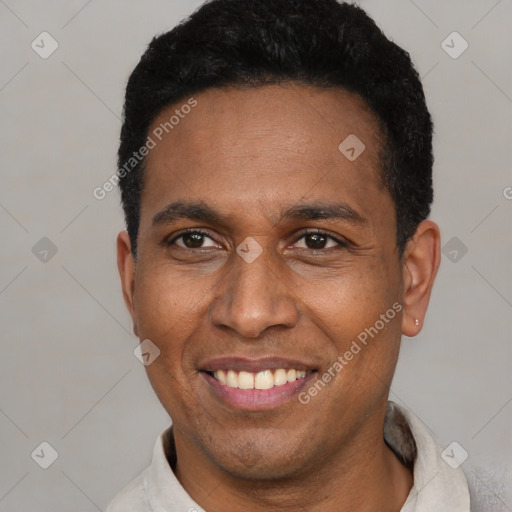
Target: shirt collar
437 486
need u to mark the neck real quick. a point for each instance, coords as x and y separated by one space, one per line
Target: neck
364 475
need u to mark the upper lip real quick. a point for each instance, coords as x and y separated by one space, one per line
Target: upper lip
254 365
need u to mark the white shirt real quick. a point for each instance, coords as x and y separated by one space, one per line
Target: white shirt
437 486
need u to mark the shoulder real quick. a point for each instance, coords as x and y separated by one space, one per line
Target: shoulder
132 498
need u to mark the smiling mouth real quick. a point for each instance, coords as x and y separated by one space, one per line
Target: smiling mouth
251 384
266 379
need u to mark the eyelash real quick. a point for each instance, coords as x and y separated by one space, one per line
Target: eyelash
341 244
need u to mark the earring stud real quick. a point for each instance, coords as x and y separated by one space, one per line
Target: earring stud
416 321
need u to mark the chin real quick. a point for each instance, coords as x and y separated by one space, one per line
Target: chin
263 459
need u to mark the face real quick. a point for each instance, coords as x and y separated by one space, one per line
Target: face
264 252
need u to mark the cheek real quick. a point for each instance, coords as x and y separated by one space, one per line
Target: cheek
166 313
347 303
360 315
167 304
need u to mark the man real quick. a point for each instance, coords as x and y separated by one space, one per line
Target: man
276 176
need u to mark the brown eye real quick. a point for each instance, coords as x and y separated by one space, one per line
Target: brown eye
194 240
317 241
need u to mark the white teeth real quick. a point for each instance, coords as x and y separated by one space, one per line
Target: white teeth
280 378
222 377
264 380
261 380
245 380
232 379
291 375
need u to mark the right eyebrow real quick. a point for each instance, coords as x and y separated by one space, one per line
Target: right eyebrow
188 210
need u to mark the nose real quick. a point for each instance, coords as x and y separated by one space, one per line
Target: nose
254 297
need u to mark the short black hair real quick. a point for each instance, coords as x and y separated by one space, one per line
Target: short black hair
324 43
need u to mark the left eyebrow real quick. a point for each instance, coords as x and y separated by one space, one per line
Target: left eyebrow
324 211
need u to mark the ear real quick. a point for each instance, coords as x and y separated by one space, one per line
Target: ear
421 260
126 266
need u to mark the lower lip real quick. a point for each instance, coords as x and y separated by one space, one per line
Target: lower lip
257 399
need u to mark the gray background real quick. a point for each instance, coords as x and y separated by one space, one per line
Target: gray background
68 375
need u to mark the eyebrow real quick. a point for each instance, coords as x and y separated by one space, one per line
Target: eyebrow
324 211
200 211
185 210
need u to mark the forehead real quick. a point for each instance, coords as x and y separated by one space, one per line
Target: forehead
265 145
